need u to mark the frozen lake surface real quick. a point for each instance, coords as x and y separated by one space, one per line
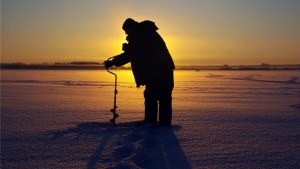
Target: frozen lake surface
221 119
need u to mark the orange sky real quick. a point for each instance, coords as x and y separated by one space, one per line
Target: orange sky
196 32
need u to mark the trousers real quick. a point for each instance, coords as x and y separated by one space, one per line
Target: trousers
158 100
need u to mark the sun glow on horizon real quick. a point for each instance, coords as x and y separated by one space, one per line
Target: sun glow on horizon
195 32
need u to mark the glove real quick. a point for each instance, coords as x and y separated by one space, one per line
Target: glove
108 64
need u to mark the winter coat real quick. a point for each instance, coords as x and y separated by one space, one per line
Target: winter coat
150 59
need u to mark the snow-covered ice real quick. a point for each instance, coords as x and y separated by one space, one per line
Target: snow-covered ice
221 119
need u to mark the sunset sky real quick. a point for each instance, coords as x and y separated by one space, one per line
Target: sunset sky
197 32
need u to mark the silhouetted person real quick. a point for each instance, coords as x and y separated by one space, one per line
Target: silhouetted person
152 66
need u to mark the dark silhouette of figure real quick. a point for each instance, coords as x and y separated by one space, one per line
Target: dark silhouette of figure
152 66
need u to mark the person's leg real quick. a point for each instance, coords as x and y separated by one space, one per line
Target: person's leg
165 98
165 107
151 105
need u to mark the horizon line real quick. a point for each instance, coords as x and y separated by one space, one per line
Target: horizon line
100 66
87 63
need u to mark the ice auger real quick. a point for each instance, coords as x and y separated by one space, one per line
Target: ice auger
114 109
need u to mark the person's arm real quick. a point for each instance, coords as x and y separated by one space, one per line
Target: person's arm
121 59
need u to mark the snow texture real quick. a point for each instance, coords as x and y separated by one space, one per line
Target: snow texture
221 119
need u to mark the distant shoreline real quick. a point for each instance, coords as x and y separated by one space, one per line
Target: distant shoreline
98 66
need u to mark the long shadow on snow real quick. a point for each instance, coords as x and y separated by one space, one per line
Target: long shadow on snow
128 146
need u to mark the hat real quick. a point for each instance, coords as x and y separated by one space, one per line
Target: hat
129 23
